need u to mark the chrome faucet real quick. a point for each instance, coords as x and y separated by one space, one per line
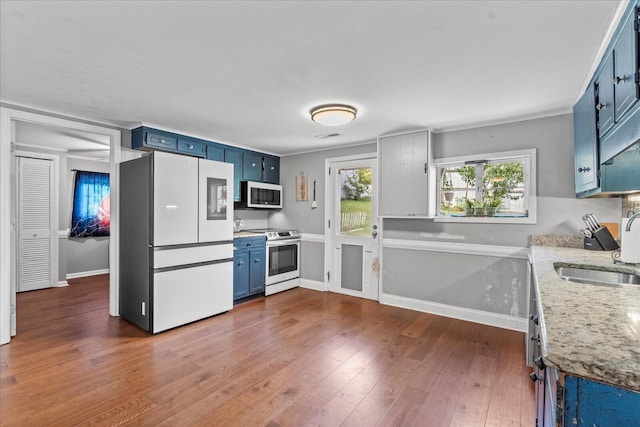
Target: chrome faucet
630 221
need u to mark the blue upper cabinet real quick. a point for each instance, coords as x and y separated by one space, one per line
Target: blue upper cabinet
271 169
586 142
235 157
215 152
622 173
618 88
248 165
606 156
251 166
146 138
625 66
606 103
192 147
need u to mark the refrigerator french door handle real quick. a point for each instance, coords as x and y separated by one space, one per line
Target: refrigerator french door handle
191 245
197 264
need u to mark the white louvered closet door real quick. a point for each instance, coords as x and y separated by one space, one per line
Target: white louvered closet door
35 199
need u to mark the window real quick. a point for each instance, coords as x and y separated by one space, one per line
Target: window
91 208
497 188
355 201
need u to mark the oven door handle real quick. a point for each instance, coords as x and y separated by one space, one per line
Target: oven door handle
283 242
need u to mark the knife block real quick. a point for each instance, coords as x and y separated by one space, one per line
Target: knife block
602 240
592 244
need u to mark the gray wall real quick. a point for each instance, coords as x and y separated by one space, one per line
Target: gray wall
490 284
462 280
559 212
299 215
312 261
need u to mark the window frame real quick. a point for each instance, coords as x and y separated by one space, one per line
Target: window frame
528 156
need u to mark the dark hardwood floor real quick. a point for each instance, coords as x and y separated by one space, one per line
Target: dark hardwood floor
293 359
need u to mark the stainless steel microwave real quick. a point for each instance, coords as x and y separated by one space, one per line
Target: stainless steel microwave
260 195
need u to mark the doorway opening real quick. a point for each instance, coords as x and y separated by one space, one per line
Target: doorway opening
9 120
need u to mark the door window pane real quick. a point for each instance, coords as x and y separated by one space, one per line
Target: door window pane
355 201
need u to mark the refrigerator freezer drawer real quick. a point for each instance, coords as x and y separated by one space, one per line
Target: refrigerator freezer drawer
179 256
186 295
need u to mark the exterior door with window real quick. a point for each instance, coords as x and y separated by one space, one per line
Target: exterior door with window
35 238
353 228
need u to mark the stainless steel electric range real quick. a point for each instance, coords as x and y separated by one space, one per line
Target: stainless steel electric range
283 259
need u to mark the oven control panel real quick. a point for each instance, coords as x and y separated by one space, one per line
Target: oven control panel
282 235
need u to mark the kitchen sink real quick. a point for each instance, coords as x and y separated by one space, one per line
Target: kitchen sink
596 277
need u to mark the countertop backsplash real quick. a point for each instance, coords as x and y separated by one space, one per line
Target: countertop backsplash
252 219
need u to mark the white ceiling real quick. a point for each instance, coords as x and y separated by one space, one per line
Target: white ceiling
247 73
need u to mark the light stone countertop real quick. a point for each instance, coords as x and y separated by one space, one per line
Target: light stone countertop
587 330
247 234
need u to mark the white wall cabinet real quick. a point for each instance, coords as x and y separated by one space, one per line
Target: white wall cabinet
404 175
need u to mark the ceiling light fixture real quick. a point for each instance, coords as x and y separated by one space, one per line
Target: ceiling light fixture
333 114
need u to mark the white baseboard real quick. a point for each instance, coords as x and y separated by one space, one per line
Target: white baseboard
471 315
87 273
312 284
63 283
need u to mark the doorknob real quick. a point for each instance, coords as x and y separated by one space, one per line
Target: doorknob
374 234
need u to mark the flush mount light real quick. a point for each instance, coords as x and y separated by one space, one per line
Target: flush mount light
333 115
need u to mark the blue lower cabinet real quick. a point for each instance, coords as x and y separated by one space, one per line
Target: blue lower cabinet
240 273
590 403
257 271
249 269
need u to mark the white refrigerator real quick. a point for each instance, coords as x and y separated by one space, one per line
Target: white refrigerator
176 240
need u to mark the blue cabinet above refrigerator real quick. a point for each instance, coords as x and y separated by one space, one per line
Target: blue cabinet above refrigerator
249 165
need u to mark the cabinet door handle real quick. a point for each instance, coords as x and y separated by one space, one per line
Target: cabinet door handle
584 169
257 260
600 106
617 80
190 146
240 262
535 377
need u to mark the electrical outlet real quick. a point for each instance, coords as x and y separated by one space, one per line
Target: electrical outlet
143 307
